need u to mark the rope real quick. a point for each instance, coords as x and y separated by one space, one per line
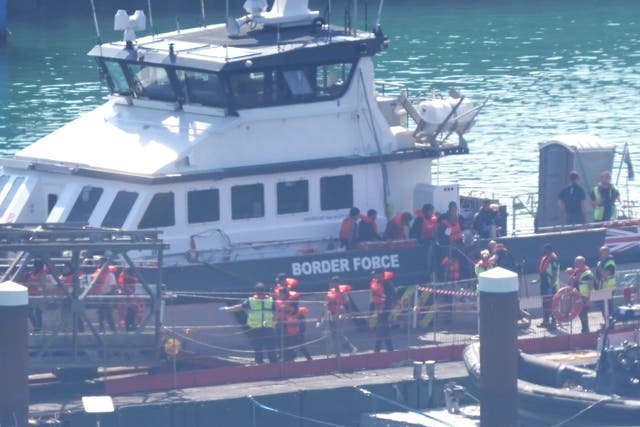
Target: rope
289 414
605 399
400 405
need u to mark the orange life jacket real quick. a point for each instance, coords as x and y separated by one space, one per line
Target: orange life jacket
453 267
377 291
335 300
346 229
456 230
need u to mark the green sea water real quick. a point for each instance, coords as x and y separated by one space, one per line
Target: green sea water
550 67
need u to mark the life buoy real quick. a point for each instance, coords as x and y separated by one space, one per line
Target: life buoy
566 304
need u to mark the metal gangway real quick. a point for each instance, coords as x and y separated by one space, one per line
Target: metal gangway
69 336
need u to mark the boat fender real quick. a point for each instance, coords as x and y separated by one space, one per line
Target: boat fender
566 304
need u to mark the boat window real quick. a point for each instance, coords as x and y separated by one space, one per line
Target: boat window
151 82
85 204
160 212
52 199
202 88
17 182
247 201
336 192
119 209
297 83
332 79
203 205
116 78
293 196
248 89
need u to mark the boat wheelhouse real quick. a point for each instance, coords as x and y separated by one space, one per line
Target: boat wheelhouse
242 141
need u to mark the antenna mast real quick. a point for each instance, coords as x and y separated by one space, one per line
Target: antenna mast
95 20
202 12
150 17
379 14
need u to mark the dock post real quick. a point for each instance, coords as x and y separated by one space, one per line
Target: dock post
14 354
498 348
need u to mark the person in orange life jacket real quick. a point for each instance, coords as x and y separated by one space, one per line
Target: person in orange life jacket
425 225
367 228
383 297
349 229
582 279
549 270
36 281
485 221
501 256
336 310
104 283
450 267
395 229
286 304
295 329
260 317
130 310
450 227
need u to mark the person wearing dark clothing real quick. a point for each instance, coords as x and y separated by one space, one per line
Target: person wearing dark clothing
571 201
260 321
450 227
485 221
425 225
295 328
367 228
383 297
604 197
582 279
549 270
501 256
606 279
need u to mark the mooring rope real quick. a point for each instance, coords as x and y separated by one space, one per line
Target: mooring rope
289 414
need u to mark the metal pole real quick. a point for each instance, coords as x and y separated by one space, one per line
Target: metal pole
95 20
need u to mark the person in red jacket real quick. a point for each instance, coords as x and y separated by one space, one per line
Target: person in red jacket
383 297
337 309
349 229
396 226
104 283
296 325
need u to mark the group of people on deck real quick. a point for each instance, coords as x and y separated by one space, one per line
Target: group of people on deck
51 293
275 321
572 200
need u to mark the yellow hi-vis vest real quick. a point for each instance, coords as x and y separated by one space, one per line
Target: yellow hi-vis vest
260 314
598 210
609 283
583 285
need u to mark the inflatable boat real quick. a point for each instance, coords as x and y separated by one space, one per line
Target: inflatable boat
553 392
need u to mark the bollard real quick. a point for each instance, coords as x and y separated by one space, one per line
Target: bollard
499 310
14 354
430 366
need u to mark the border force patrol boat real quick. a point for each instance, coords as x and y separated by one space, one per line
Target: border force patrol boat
245 144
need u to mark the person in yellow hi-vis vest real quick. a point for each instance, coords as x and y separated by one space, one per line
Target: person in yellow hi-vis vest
606 275
260 323
603 198
582 279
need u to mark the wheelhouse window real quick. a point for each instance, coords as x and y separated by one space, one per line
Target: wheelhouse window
331 80
293 196
13 189
247 201
85 204
249 89
336 192
119 209
151 82
116 78
203 206
203 88
160 212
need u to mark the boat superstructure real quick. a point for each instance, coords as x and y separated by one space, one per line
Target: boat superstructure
259 133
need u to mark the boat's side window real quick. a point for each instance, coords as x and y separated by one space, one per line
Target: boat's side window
336 192
151 82
116 77
331 79
203 205
160 212
293 196
85 204
12 190
247 201
297 84
203 88
119 209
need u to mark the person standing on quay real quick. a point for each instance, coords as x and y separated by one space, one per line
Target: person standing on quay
606 275
260 309
549 270
604 197
383 296
571 201
336 310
